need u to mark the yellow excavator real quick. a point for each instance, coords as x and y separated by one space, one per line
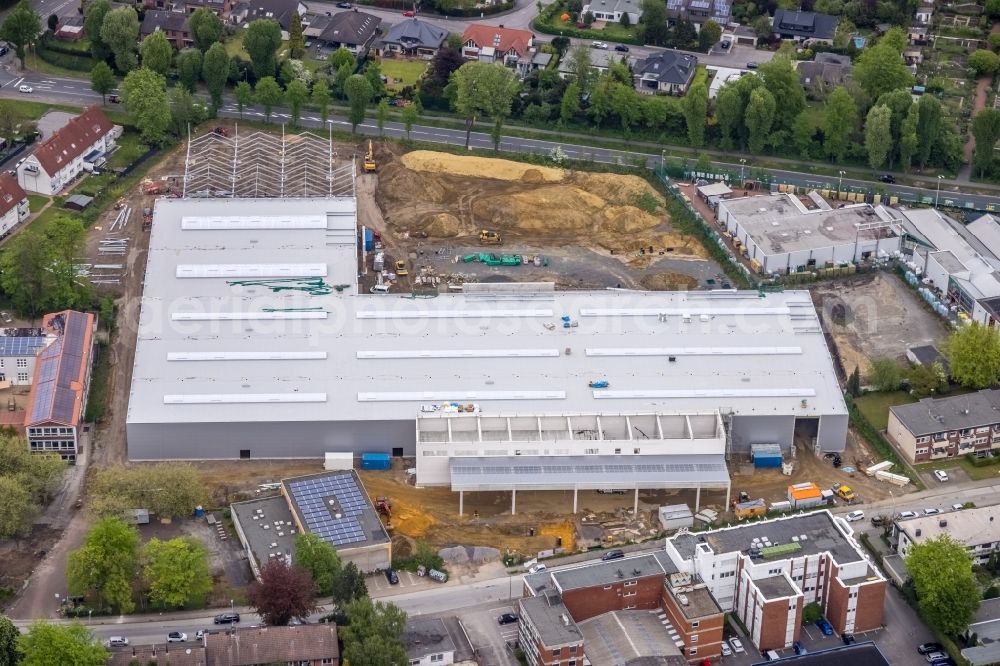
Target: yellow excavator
490 237
370 158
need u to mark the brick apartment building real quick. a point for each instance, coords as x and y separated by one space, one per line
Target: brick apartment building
942 428
766 572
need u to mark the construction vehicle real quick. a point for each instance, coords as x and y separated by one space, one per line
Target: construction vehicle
378 262
401 268
370 158
384 507
490 237
147 219
843 492
149 187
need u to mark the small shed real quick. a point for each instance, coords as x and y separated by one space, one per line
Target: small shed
77 202
804 495
676 516
766 455
713 192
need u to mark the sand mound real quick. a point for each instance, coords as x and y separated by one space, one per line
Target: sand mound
668 282
406 185
443 225
627 219
550 209
616 188
478 167
532 176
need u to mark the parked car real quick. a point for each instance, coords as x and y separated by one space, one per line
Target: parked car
7 319
848 638
227 618
879 521
726 650
613 555
751 65
344 5
799 648
4 51
941 475
537 568
825 627
736 645
599 44
117 641
200 635
943 662
931 512
611 492
927 648
176 637
409 13
621 47
507 618
25 89
392 576
726 45
887 178
957 507
931 657
904 515
854 516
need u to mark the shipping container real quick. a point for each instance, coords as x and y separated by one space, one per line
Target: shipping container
369 240
376 460
766 455
804 495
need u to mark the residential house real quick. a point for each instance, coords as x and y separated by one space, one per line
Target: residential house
925 12
668 72
70 28
413 38
82 143
828 69
804 27
918 35
428 642
741 34
600 61
700 11
13 204
221 8
61 384
19 348
279 10
978 529
532 61
173 25
612 11
355 31
489 43
985 626
942 428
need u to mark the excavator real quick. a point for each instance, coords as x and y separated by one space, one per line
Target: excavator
490 237
370 158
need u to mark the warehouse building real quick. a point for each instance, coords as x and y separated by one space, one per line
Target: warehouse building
780 234
254 342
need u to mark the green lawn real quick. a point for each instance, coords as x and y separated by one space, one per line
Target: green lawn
130 147
875 406
35 110
975 473
234 46
36 202
402 72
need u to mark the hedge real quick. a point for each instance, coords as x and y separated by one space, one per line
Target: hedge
404 5
63 47
549 23
57 55
988 461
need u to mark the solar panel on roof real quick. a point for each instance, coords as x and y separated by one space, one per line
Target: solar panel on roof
313 496
11 345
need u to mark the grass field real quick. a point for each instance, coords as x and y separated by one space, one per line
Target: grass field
234 46
402 72
875 406
975 473
37 201
35 110
130 147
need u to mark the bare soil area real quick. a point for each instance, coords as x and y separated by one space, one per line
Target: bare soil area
875 315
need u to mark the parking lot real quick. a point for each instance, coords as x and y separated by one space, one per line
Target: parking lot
488 636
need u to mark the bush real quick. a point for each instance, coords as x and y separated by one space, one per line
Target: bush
988 461
992 592
811 613
423 555
78 63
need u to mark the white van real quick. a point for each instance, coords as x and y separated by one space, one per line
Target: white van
380 289
771 655
117 641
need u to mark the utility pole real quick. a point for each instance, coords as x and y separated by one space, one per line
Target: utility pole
938 195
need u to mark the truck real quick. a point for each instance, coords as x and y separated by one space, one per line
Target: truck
490 237
843 492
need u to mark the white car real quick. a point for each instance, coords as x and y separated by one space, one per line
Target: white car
537 568
941 475
599 45
854 516
931 512
176 637
726 650
957 507
737 645
25 89
199 635
904 515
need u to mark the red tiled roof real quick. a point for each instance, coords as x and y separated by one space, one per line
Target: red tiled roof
503 39
72 140
61 370
11 193
268 645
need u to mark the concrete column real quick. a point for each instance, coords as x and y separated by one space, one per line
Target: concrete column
513 502
729 487
461 501
635 505
575 490
697 499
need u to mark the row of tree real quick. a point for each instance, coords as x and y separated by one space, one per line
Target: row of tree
26 483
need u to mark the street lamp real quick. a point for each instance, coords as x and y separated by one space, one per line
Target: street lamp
840 183
743 166
938 195
663 159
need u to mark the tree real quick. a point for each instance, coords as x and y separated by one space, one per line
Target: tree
319 559
986 130
358 92
373 72
854 383
185 110
179 488
17 511
562 44
243 94
908 143
46 644
973 354
885 374
759 118
296 95
283 593
878 135
145 94
261 40
105 565
92 24
215 72
381 115
296 43
993 8
570 105
946 588
189 67
102 80
177 572
342 57
695 105
156 52
983 62
348 585
729 114
8 642
928 127
709 34
896 38
409 115
654 22
581 66
267 93
373 635
484 89
782 80
121 33
926 380
880 69
205 27
839 121
37 268
804 129
53 22
321 99
21 28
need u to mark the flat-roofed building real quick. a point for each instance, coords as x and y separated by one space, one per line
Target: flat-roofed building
942 428
547 633
780 234
978 529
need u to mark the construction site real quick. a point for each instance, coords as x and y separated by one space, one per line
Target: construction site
441 222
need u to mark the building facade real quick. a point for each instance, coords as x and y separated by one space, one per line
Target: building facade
19 349
943 428
14 207
547 633
978 529
488 43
